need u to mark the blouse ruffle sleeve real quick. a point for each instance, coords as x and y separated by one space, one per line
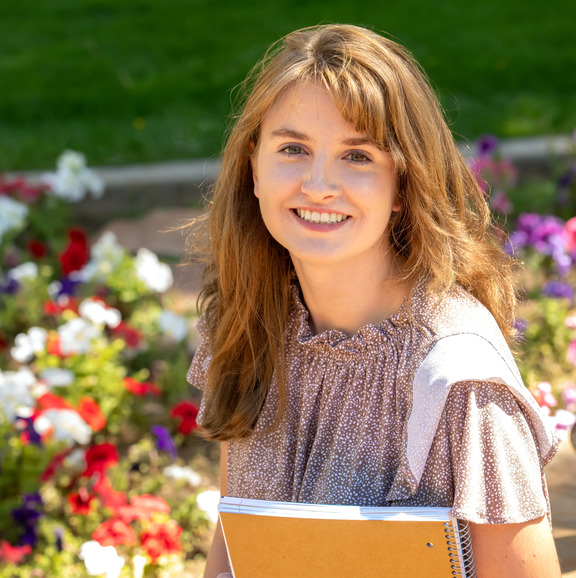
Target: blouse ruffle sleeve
496 466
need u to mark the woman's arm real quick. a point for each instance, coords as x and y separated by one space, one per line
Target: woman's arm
515 550
217 561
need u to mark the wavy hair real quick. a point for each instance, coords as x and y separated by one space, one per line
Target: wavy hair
443 231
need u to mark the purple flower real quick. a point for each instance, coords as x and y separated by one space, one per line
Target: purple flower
164 441
566 179
67 287
28 427
545 234
521 325
487 144
10 286
27 516
558 290
58 534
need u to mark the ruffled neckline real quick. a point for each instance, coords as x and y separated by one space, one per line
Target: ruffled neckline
368 339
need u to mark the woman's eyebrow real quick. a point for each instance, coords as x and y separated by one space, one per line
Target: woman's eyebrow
287 132
353 141
356 141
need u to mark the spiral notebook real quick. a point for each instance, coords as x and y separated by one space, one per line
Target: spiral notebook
290 540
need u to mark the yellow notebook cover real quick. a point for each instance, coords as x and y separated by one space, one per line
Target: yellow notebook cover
290 540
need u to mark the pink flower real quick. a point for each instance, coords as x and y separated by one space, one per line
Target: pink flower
569 396
114 532
13 554
571 353
570 234
544 397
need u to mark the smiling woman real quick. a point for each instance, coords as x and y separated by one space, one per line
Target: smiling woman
324 201
357 308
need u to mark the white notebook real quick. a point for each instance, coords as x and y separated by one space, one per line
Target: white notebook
293 540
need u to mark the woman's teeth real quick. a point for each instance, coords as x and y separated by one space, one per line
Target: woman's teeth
324 218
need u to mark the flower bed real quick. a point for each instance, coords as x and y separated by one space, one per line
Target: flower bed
94 407
96 420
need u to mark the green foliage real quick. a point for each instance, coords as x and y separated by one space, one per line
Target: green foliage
147 81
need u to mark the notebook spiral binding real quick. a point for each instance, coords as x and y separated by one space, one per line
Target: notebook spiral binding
460 548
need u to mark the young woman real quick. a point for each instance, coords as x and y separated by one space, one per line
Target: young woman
357 308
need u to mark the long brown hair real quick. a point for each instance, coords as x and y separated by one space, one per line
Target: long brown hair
443 230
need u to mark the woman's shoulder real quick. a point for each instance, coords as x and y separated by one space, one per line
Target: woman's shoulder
453 312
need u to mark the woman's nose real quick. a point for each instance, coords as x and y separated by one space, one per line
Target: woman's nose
320 180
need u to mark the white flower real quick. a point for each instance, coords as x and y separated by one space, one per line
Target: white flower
208 502
57 377
179 473
16 391
139 563
26 270
105 257
562 421
26 345
64 184
66 424
99 313
76 336
12 215
156 275
101 559
172 325
73 179
76 460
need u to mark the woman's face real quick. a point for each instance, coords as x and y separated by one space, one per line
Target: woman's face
326 192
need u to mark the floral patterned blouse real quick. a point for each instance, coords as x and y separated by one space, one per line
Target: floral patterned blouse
425 409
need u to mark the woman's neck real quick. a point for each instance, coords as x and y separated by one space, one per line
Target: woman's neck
349 298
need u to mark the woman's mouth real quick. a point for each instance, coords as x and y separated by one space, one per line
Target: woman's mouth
320 218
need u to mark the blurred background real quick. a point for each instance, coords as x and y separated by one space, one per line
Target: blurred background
137 81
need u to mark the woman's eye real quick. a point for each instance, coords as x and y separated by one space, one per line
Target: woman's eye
292 150
358 157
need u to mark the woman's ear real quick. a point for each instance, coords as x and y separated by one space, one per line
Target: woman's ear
398 204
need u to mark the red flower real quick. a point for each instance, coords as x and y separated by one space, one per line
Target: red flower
109 497
52 401
65 303
53 345
143 508
149 504
131 336
140 387
18 187
99 458
76 254
37 249
161 539
114 532
187 412
54 464
91 413
80 502
13 554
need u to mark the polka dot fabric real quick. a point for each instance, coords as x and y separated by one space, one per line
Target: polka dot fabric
342 438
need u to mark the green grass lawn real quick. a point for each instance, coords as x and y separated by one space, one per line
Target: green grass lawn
150 80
